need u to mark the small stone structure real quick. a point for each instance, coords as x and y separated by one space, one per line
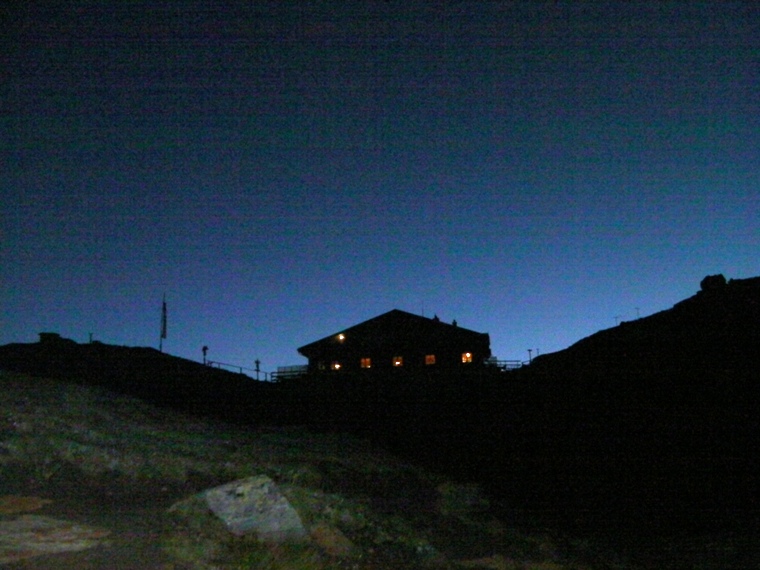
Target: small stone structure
54 338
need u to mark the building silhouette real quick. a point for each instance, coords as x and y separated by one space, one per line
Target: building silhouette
399 340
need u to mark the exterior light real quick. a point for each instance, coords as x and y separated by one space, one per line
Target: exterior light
341 337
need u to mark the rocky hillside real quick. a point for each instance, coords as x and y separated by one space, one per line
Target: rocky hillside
652 423
93 479
716 329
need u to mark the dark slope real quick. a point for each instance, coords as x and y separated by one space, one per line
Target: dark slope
143 372
716 329
655 422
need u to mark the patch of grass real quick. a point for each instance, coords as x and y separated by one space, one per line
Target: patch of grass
288 556
191 549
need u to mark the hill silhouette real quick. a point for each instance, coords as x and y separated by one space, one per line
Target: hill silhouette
653 422
650 426
144 372
714 329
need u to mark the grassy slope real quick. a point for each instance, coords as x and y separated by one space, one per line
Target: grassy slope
391 512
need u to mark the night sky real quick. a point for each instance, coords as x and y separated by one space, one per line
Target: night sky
283 170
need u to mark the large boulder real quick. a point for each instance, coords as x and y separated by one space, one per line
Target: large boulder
712 282
255 505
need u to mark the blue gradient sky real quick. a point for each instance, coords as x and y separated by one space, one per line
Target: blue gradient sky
280 171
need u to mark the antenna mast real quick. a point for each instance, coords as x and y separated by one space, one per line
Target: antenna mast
163 326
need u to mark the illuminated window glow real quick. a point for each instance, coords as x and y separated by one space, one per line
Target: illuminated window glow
429 359
398 361
366 363
466 357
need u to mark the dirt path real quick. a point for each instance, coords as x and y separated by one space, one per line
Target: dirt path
133 515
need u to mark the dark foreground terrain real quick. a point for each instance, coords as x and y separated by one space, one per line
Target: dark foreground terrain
115 478
641 438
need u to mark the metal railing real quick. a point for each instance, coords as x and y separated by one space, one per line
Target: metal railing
227 365
284 372
505 364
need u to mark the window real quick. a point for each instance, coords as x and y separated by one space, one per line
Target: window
335 366
429 359
398 361
366 363
466 357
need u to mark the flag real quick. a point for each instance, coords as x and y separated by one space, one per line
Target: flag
163 319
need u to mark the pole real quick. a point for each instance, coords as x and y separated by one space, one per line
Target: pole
163 325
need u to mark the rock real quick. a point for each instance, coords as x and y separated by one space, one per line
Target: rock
712 282
255 505
332 541
13 504
29 536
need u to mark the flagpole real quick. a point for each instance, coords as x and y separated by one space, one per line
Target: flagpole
163 326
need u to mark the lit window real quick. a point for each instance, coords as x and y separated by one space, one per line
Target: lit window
466 357
429 359
335 366
341 337
366 363
398 361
